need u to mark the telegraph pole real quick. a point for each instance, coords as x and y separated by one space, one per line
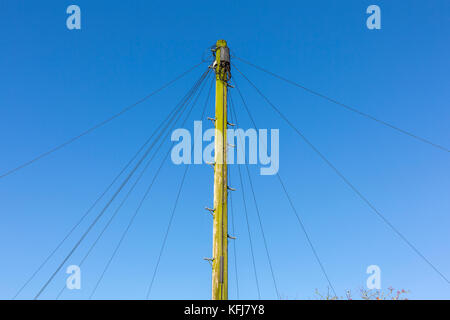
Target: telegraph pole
220 225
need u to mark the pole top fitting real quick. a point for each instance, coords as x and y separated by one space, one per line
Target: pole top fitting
221 43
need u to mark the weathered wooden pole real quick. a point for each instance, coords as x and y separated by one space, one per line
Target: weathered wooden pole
220 225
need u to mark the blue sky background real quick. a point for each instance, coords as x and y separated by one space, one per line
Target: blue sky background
56 83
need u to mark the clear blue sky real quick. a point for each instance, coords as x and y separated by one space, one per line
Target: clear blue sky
56 83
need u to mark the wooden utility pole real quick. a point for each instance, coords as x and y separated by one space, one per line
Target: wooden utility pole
220 225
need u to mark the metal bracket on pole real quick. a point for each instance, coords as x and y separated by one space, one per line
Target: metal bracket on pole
212 119
211 164
230 124
210 211
230 237
230 188
210 260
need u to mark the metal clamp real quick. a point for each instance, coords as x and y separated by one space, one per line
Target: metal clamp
210 211
210 260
